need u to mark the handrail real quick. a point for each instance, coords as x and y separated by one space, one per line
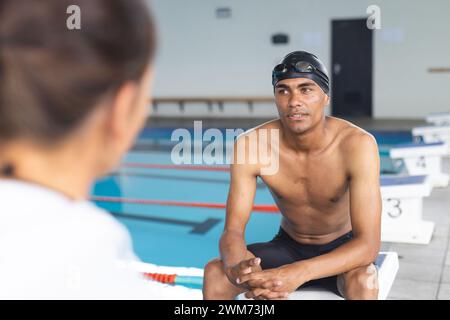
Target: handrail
210 102
211 99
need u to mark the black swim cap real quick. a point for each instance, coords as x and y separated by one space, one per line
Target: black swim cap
302 64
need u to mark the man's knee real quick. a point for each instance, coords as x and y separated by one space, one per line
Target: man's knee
213 269
361 283
216 284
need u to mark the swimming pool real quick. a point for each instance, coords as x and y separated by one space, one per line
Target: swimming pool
183 235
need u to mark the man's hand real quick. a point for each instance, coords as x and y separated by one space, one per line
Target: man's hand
273 283
246 267
242 268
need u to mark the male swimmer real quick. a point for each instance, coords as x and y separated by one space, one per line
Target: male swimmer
327 190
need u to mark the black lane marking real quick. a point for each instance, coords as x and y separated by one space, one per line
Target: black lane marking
197 227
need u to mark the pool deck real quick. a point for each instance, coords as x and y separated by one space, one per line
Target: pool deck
425 269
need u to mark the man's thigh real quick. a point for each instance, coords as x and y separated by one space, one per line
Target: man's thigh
273 254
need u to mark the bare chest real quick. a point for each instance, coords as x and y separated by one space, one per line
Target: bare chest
316 182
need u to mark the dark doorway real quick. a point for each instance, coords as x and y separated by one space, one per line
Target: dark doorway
351 93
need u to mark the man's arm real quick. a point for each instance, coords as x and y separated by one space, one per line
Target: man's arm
242 191
365 211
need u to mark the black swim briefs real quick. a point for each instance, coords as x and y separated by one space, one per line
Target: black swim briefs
282 250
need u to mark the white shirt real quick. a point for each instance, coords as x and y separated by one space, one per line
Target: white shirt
54 248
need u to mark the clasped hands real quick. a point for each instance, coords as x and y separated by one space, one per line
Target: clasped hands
269 284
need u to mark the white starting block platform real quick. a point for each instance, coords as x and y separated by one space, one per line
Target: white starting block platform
401 219
387 265
439 118
423 159
430 134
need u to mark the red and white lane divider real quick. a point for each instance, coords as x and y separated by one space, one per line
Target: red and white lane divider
175 167
257 208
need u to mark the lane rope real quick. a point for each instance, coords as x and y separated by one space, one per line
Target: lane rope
258 208
174 279
175 167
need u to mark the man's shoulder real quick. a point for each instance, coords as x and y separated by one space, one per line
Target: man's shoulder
352 138
266 126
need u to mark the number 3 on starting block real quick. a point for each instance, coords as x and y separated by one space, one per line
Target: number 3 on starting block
393 207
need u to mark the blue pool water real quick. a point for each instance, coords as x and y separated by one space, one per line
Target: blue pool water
188 236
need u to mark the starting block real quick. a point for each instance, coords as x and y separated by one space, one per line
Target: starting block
431 134
423 159
401 219
439 119
387 265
